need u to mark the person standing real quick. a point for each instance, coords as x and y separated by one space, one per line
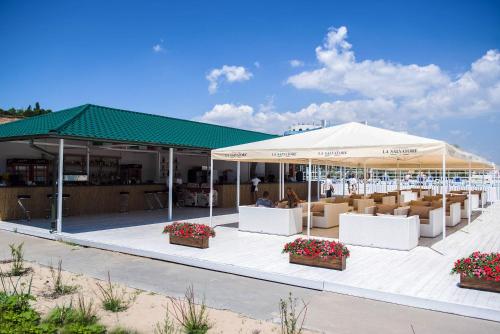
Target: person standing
329 186
254 188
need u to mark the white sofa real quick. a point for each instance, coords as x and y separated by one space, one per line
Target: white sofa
391 232
434 225
270 220
455 215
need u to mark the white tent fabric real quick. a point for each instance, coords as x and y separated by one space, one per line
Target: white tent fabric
354 144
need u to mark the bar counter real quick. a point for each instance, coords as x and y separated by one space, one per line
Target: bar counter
83 200
88 200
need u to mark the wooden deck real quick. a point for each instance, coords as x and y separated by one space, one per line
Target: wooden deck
418 278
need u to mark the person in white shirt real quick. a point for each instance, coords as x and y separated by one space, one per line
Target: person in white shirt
329 186
353 182
255 187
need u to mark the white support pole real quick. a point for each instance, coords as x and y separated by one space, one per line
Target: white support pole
211 199
482 190
469 197
283 180
444 193
279 182
317 181
309 199
386 177
60 186
364 180
343 180
238 180
170 182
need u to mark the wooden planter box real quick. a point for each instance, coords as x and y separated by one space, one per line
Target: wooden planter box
190 242
329 263
478 284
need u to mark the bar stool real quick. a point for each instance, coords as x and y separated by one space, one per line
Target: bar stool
65 198
149 195
157 194
124 200
22 201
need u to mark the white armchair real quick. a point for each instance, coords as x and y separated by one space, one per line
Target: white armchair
453 217
330 216
433 226
362 203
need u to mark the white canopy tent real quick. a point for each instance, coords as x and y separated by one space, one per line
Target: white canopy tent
355 145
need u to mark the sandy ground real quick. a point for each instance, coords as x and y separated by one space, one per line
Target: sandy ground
145 311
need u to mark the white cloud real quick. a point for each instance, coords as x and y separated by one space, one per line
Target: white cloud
340 73
267 119
296 63
158 47
383 93
228 74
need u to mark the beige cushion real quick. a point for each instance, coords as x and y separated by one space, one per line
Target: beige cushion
421 211
385 208
318 207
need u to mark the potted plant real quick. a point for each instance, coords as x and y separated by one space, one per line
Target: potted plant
479 271
317 253
189 234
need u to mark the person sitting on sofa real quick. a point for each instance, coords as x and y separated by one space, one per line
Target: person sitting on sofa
264 201
291 198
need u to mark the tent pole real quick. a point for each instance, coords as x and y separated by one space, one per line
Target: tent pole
170 182
60 186
318 172
385 174
279 181
343 180
238 170
469 197
444 193
210 200
482 190
309 200
364 180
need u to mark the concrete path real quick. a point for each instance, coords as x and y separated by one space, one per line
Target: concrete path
328 312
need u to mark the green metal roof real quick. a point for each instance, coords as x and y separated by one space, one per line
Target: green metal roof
93 122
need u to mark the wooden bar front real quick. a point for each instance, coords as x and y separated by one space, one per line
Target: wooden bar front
88 200
83 200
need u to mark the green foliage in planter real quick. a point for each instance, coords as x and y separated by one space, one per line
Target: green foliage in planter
17 316
81 319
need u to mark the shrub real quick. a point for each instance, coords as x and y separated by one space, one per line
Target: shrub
81 319
291 321
480 265
16 313
316 248
58 286
17 261
189 230
192 318
112 299
167 327
121 330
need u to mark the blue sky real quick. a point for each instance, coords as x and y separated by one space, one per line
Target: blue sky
405 66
